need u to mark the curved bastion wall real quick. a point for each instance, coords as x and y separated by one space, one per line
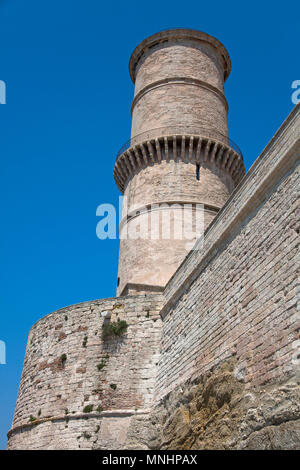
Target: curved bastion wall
61 377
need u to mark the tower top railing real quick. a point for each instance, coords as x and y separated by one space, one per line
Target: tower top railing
179 130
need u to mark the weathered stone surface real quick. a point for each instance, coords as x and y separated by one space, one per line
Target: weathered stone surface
285 436
216 411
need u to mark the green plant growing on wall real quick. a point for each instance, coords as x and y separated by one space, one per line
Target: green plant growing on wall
117 328
88 408
99 409
32 418
101 365
113 386
63 359
84 343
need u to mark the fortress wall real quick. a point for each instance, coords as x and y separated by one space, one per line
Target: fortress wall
231 320
243 302
56 392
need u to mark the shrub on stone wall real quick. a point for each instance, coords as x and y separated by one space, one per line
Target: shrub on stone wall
88 408
117 328
101 365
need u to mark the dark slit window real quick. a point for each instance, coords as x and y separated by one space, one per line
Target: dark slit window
198 172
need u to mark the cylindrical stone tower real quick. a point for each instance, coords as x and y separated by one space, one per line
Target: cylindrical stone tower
179 153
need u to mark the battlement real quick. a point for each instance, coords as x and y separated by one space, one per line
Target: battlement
203 147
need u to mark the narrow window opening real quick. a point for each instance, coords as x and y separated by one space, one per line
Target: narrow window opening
118 282
198 172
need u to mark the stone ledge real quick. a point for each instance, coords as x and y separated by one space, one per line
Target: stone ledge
179 81
140 287
163 205
64 417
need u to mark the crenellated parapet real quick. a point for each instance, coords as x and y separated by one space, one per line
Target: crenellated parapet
189 148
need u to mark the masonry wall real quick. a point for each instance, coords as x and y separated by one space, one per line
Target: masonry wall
244 302
230 358
55 392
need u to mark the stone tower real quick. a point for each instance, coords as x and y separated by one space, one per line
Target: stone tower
179 152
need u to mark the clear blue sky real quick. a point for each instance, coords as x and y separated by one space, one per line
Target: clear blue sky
65 64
